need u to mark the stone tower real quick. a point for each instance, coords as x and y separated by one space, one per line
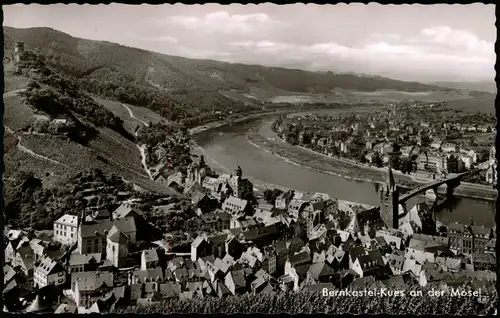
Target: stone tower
18 51
389 202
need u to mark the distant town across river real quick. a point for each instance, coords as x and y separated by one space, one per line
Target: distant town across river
226 147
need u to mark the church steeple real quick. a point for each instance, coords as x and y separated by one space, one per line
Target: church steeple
239 172
389 210
202 162
389 181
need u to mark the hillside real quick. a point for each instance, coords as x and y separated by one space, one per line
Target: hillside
178 88
53 130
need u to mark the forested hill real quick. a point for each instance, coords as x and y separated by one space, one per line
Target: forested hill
179 87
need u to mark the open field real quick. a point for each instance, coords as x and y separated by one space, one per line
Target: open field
130 124
141 113
483 104
339 95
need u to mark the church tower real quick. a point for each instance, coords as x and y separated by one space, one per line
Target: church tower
239 172
389 202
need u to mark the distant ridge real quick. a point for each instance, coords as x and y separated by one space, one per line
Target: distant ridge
171 71
481 86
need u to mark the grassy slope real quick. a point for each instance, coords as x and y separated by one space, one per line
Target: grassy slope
110 151
130 123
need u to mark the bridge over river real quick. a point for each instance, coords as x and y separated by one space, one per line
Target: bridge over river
452 181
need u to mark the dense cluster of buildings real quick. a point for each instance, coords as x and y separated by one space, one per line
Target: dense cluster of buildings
300 241
379 138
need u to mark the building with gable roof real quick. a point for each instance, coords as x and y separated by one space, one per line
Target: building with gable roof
149 259
200 247
24 257
236 206
125 210
468 239
91 288
84 262
92 236
365 262
65 229
242 187
353 226
116 247
235 282
49 272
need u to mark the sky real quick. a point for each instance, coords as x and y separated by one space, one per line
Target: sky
409 42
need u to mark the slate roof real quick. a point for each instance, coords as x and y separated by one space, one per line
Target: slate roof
91 283
150 255
197 197
181 274
199 239
238 278
218 239
80 275
234 201
258 233
83 259
117 236
126 225
484 258
280 247
456 228
319 270
299 258
124 210
67 219
150 274
396 261
48 266
119 292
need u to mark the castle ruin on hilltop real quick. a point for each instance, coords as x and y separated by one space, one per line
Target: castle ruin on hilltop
19 51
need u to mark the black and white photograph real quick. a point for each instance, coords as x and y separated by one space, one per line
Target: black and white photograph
264 158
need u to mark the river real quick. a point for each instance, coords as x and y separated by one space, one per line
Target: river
226 147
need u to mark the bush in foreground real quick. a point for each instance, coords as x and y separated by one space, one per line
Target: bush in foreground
313 302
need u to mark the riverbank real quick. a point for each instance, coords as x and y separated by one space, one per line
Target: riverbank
338 167
217 124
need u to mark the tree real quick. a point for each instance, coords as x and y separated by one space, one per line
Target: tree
377 161
362 158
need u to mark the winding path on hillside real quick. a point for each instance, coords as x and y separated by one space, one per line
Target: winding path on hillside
30 152
133 116
20 147
142 148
